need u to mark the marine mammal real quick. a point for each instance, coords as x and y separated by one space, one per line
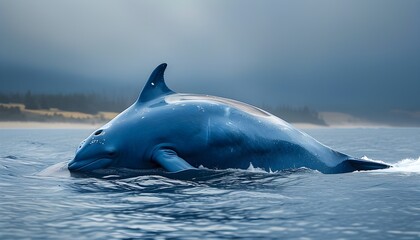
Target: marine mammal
175 131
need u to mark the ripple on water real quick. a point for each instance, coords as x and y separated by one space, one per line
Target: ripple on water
228 204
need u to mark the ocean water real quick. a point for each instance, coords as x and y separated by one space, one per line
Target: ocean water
40 200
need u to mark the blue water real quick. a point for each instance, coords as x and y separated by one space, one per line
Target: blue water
43 202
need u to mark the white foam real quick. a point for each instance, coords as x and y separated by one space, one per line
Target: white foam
57 170
251 168
407 165
374 160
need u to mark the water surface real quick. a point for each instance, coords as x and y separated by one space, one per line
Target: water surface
302 204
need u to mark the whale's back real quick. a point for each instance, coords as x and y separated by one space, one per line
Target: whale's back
238 134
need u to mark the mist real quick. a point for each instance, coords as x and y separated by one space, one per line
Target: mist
349 56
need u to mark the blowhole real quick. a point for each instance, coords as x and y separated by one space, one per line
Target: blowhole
98 132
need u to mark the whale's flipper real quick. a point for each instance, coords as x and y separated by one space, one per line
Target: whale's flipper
363 165
155 86
170 161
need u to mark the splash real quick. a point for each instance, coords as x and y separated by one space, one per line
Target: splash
56 170
374 160
407 165
251 168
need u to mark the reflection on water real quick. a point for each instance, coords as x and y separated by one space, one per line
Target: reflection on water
39 198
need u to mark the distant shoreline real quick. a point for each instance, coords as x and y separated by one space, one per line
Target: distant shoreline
47 125
65 125
16 115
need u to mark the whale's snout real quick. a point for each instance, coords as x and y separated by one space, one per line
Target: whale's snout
76 165
95 152
73 165
91 157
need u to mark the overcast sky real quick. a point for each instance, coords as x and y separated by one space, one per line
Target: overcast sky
325 54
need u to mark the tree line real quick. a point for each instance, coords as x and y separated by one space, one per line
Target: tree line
77 102
94 103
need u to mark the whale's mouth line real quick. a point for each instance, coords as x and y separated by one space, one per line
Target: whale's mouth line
88 164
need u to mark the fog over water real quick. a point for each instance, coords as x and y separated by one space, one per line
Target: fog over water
358 56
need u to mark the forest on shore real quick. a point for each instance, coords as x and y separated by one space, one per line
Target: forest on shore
17 106
77 102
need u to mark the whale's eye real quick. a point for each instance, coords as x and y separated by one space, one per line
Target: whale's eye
98 132
112 154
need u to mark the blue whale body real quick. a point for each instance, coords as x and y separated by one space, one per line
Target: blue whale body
177 132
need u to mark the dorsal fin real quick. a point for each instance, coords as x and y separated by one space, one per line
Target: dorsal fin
155 86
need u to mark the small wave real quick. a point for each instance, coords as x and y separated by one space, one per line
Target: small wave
251 168
374 160
407 165
56 170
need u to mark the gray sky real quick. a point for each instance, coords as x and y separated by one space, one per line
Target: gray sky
325 54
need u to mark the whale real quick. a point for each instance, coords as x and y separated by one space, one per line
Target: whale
177 132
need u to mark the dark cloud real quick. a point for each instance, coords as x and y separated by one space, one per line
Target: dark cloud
326 54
